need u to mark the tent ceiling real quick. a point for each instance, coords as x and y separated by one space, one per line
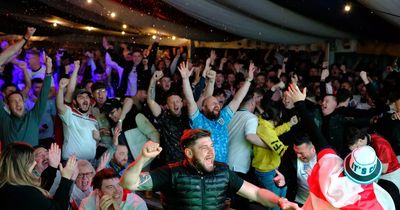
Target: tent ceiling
278 21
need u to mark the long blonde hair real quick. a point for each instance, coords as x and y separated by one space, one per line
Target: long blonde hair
15 162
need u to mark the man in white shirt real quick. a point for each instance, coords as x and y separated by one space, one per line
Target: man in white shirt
296 168
108 194
306 159
242 136
36 69
81 133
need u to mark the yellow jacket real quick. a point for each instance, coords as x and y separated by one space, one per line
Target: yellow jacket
268 159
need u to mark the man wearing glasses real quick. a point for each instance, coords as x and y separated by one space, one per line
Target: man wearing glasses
100 95
83 183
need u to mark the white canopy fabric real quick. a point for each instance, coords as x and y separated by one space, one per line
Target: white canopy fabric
259 20
227 19
387 9
270 12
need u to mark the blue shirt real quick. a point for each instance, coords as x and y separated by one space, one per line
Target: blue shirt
218 129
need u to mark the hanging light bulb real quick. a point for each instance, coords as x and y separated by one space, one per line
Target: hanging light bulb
89 1
124 26
54 24
173 37
113 14
154 37
347 8
123 32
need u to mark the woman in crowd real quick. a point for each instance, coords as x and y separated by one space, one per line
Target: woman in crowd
20 189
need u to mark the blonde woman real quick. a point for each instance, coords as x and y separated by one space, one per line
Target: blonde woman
20 189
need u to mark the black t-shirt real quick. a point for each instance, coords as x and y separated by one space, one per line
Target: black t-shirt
171 129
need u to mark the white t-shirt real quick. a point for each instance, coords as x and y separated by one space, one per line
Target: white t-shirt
41 73
302 176
240 150
78 137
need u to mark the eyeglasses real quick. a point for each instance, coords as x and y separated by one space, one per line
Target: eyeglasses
87 175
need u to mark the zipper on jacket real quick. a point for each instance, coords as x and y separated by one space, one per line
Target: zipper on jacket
203 192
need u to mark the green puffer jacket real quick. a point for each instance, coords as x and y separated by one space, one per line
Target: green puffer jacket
196 191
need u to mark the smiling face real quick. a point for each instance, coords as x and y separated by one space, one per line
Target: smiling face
112 188
260 81
121 155
202 154
328 105
174 105
115 114
100 95
211 108
16 104
136 58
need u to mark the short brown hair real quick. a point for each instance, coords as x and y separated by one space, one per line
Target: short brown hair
107 173
190 136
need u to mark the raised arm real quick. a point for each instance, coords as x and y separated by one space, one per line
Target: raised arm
132 179
174 62
265 197
27 77
266 56
307 121
323 84
187 90
151 92
72 82
210 75
110 64
40 105
10 51
148 129
241 93
61 107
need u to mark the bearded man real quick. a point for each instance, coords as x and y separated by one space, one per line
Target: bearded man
198 182
81 133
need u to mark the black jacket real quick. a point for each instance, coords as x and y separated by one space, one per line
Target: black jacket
20 197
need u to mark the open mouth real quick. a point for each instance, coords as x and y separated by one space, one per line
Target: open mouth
209 161
116 196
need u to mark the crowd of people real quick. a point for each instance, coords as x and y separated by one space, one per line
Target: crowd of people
87 129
